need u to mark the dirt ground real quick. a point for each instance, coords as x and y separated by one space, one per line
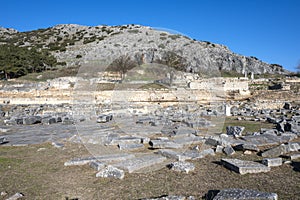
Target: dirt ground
38 172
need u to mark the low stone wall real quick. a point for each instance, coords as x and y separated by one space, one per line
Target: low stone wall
227 84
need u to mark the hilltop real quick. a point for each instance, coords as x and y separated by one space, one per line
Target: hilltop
73 45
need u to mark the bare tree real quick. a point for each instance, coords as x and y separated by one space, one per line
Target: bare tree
122 65
171 59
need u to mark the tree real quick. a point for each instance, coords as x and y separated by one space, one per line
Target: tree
171 59
122 65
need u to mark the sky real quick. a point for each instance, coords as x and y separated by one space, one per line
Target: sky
266 29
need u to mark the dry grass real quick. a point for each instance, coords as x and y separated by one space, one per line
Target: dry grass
42 175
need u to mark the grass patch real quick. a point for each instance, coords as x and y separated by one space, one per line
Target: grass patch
42 175
43 76
250 126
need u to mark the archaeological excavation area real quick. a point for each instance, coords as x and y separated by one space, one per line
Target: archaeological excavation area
215 138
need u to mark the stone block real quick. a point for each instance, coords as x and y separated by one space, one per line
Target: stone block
172 198
32 120
49 120
189 140
3 140
182 166
219 149
294 156
172 154
135 164
111 172
133 146
212 141
194 154
245 147
240 194
16 196
164 144
97 165
235 130
228 150
272 162
104 118
244 167
124 140
103 158
281 150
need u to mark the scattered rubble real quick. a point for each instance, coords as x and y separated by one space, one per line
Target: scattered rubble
111 172
182 166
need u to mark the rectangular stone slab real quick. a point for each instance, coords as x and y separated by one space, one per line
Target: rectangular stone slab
103 158
245 194
173 154
244 167
141 162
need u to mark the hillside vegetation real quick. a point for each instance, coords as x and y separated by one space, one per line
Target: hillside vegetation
71 45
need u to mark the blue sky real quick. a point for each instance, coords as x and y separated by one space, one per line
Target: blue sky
266 29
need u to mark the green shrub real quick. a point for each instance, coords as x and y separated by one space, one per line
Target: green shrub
162 46
18 61
133 31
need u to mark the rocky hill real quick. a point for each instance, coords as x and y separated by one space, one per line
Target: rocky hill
74 45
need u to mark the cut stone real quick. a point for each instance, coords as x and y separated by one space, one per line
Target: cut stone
244 167
241 194
182 166
268 139
103 158
164 144
234 130
189 140
244 147
15 196
172 198
3 140
212 142
219 149
272 162
294 156
133 146
97 165
104 118
111 172
141 162
125 140
193 154
32 120
228 150
172 154
281 150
